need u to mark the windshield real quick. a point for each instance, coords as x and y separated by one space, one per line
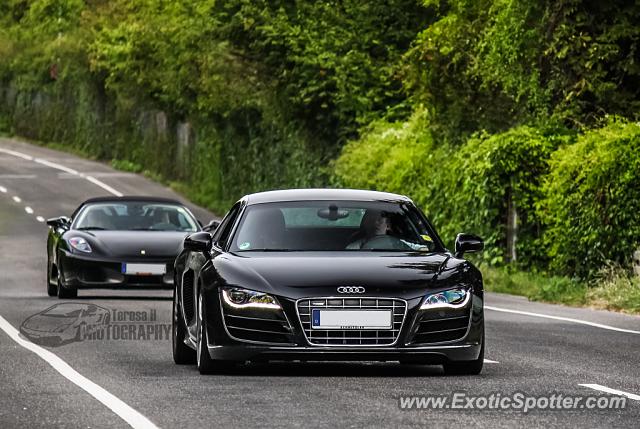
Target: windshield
332 226
135 216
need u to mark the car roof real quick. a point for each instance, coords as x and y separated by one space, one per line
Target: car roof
131 198
322 194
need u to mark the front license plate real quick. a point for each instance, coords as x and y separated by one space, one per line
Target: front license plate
144 269
351 319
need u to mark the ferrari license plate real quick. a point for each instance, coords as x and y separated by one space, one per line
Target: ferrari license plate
144 269
351 319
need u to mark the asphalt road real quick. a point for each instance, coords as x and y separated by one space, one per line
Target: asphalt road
528 353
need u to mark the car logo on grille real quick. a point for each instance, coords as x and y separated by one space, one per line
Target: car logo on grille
351 289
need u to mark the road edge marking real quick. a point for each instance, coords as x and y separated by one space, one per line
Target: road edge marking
565 319
606 389
103 185
119 407
62 168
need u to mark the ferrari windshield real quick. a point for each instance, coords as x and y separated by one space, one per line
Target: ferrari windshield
332 226
135 216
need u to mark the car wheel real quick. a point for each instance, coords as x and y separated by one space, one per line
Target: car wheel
182 354
64 292
204 362
473 367
52 289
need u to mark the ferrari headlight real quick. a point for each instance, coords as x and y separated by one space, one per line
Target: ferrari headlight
80 244
452 298
244 298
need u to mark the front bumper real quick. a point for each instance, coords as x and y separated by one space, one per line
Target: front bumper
91 273
426 355
413 342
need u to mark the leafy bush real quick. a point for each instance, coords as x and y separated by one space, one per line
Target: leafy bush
493 64
592 200
492 172
467 189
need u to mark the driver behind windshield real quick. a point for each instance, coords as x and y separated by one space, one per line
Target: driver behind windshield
374 223
378 231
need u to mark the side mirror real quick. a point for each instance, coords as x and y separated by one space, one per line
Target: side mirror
211 226
198 242
468 243
59 222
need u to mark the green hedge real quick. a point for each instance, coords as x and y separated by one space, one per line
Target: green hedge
592 200
577 198
462 189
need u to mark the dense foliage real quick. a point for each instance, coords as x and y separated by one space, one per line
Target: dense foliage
592 200
480 110
493 64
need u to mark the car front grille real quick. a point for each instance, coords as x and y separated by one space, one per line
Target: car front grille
352 337
258 329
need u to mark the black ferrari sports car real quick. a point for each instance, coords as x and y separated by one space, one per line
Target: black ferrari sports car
116 242
320 274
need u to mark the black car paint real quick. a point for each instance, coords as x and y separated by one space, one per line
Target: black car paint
67 266
290 276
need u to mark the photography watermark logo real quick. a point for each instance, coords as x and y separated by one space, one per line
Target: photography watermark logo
72 322
518 401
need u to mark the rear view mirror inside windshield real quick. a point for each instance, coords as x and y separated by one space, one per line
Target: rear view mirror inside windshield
333 213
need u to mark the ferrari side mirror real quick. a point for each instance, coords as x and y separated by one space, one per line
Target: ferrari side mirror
59 222
211 226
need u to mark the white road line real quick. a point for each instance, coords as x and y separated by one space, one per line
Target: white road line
612 391
103 186
40 219
565 319
18 154
121 409
3 189
63 168
17 199
56 166
28 209
490 361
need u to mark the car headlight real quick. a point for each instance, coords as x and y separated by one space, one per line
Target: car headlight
244 298
80 244
452 298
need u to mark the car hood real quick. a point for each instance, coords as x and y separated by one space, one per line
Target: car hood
322 273
130 244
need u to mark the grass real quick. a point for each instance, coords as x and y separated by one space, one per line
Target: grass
125 165
613 289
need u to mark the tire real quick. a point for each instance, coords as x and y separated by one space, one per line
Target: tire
52 289
63 292
182 353
472 367
205 364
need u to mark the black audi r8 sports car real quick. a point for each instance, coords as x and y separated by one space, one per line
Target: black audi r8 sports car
320 274
116 242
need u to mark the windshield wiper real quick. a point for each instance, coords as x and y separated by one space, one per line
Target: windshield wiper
88 228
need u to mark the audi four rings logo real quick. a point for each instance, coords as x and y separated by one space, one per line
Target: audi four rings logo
350 289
